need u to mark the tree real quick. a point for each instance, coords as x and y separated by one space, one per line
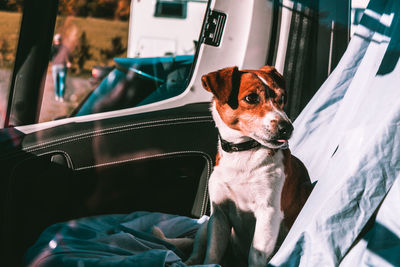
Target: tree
82 52
11 5
74 7
116 49
118 9
123 10
103 8
4 52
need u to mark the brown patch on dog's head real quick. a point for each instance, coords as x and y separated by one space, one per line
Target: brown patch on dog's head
251 101
224 85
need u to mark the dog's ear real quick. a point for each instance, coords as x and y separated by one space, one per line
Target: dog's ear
275 75
224 85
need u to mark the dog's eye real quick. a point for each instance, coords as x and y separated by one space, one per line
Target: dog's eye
252 98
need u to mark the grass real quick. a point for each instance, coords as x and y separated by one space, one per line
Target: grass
9 31
99 33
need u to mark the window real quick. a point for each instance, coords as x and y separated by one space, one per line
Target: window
107 57
86 39
10 17
171 9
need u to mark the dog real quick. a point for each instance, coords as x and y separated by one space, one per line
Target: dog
257 188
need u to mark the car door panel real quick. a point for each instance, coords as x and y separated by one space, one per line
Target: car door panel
152 161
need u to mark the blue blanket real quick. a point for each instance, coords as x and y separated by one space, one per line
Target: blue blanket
113 240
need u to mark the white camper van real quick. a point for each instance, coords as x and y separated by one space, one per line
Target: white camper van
164 27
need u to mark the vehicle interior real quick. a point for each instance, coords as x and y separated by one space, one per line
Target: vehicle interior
121 157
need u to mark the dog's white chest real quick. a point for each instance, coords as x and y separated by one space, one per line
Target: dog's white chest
247 188
251 179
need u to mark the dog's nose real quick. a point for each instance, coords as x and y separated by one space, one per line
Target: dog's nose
285 129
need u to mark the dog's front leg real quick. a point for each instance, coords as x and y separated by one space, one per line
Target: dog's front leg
218 235
265 236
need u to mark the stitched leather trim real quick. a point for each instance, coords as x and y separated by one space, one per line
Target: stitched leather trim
130 127
207 157
134 126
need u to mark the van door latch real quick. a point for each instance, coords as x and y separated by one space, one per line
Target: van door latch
214 28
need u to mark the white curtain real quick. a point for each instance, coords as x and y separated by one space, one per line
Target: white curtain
348 136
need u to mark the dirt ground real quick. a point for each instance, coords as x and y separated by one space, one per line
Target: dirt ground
76 91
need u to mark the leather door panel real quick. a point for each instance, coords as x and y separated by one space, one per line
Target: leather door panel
150 161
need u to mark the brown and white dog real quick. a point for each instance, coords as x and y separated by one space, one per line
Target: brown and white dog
257 187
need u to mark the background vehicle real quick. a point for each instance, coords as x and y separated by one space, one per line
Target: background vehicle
129 159
169 27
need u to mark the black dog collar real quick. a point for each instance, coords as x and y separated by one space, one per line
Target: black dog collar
231 147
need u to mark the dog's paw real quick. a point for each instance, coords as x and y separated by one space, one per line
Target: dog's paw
158 233
185 244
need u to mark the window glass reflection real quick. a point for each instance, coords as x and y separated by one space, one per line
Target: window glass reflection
115 54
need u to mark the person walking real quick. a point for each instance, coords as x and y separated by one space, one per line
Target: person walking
61 60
